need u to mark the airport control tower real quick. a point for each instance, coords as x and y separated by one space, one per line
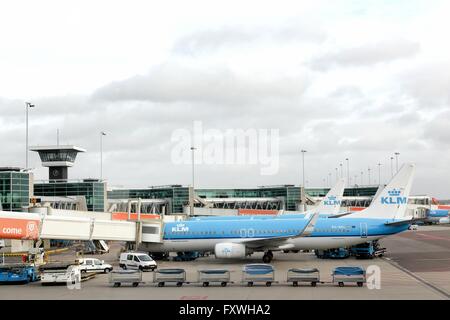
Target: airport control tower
58 159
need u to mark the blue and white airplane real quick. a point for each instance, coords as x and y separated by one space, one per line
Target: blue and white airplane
437 216
242 237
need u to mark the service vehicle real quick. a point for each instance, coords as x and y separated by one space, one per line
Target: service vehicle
94 265
136 260
18 273
60 273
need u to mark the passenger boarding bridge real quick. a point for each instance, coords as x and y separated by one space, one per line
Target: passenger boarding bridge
150 206
246 203
45 222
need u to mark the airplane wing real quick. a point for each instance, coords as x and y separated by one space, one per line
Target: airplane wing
281 243
404 221
343 214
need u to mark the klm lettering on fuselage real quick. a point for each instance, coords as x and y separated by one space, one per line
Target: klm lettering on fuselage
394 198
181 227
332 201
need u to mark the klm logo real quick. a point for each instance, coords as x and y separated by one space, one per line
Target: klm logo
332 201
394 198
180 227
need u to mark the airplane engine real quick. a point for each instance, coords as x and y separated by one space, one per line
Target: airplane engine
229 250
444 220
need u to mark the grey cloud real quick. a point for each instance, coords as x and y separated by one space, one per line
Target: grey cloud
350 92
428 84
168 83
367 54
207 41
437 131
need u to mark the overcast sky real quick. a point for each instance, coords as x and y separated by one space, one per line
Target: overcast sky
341 79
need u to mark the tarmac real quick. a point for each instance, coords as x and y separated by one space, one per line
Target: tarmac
416 266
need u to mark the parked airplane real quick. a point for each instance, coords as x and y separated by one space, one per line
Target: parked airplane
241 237
438 216
329 205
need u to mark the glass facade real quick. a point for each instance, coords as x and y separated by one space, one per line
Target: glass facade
178 196
348 192
92 190
290 195
58 155
14 190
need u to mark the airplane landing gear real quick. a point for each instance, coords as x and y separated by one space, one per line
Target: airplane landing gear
268 256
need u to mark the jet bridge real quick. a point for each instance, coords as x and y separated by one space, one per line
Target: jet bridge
75 226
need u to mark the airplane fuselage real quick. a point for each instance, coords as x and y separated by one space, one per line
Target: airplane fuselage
203 235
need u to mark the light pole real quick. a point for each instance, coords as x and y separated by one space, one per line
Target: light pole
27 106
348 170
303 196
102 133
193 164
193 181
303 167
337 176
368 169
362 177
392 167
342 172
396 159
379 173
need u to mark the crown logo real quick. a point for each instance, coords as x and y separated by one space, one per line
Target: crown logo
394 193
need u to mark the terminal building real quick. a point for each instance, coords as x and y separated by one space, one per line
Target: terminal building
16 189
58 159
285 197
16 186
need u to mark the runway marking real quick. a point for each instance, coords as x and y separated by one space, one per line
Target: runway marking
432 237
433 259
421 280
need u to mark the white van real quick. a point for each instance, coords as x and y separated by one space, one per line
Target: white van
94 265
136 260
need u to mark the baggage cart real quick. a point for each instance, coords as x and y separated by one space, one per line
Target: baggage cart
342 275
208 276
18 273
167 275
258 272
296 275
118 277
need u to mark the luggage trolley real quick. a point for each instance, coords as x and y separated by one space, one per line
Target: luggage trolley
163 276
303 275
117 278
258 272
341 275
208 276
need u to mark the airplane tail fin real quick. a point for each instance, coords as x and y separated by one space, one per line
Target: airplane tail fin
391 203
332 201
